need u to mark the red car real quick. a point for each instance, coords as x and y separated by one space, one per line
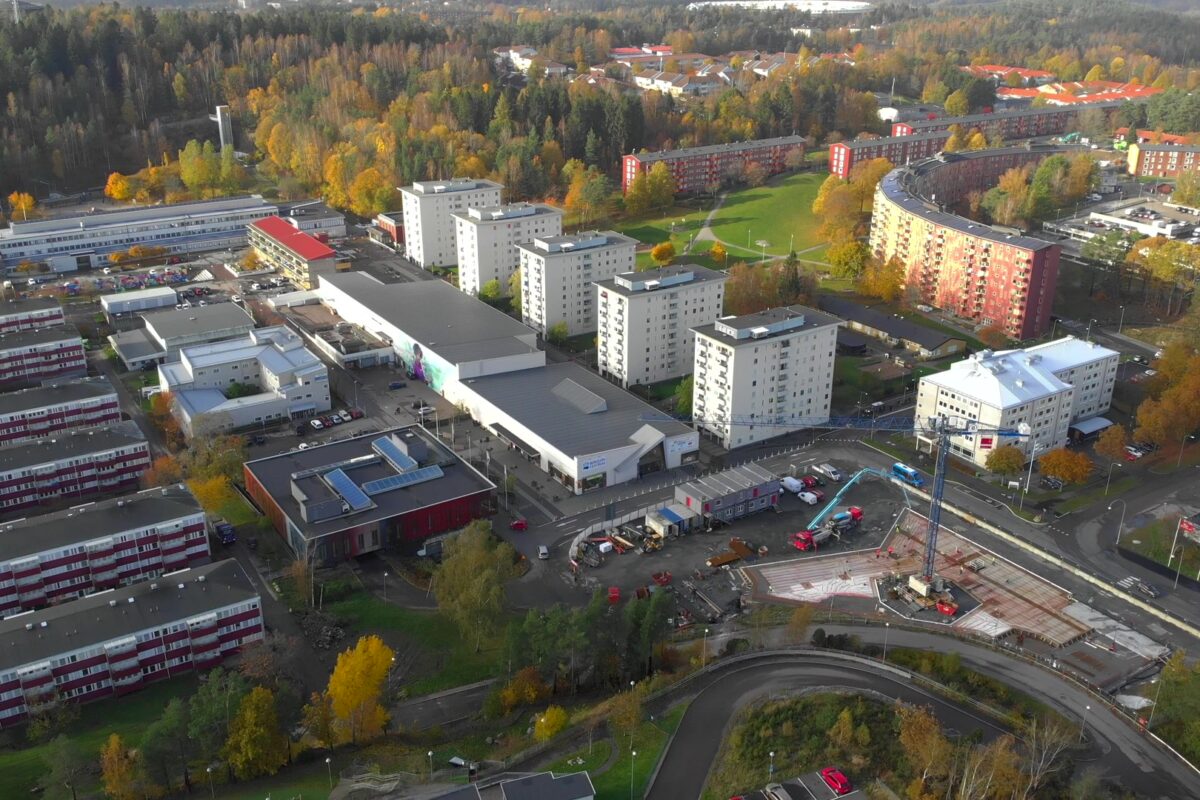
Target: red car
817 493
519 525
837 781
356 413
809 481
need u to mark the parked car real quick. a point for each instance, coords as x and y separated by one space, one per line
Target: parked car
1150 373
1050 483
835 779
808 498
1146 589
811 481
397 385
258 439
817 493
302 446
425 410
543 552
357 413
333 419
317 424
519 525
829 471
344 415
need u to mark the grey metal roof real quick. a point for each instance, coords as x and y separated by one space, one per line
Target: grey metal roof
897 327
71 443
548 786
55 393
572 408
90 521
9 308
732 147
135 345
90 620
218 318
886 140
727 482
275 473
1169 148
452 324
974 119
36 336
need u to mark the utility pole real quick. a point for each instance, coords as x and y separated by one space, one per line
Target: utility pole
16 12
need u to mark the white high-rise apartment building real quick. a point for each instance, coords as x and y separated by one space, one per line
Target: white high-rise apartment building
1048 387
488 239
762 375
645 321
557 273
429 234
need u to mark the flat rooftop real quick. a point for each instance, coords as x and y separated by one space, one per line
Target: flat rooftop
576 242
714 149
456 326
359 460
1000 380
71 443
727 482
92 521
113 614
493 215
1067 353
572 408
10 308
135 345
785 320
893 326
137 215
675 276
450 186
38 336
218 318
969 120
53 394
152 293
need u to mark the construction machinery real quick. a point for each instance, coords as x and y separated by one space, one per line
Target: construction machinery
939 429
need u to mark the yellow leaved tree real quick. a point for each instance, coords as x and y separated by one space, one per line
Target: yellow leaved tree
355 688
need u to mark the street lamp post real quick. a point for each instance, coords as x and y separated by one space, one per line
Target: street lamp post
1121 324
704 651
887 626
1121 525
329 770
430 755
1109 481
632 756
1182 442
211 791
1160 681
385 582
771 769
1088 337
1083 723
1032 457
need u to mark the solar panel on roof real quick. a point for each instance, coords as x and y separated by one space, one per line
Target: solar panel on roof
348 489
403 479
399 459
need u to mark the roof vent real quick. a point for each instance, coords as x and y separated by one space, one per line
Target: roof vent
1020 383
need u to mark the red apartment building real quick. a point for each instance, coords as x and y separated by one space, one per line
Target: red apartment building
23 315
33 355
697 168
52 558
112 643
1163 160
1019 123
896 149
73 464
43 410
987 275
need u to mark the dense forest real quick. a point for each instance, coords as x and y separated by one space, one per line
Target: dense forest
326 97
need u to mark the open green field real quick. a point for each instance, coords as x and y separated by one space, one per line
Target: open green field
678 226
450 659
649 742
779 213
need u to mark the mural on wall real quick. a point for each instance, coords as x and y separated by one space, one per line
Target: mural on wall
422 366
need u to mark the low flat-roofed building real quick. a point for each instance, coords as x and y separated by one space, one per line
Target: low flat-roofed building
892 330
57 406
31 312
167 332
275 376
441 335
548 786
115 642
581 429
734 493
73 464
391 489
84 549
33 355
342 342
121 303
298 256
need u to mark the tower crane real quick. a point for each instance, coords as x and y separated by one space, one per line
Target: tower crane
939 428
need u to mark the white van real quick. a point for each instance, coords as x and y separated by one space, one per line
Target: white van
829 471
792 485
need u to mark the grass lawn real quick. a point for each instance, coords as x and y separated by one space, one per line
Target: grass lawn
309 781
128 717
1154 541
779 212
238 512
650 741
600 752
677 225
1096 495
457 663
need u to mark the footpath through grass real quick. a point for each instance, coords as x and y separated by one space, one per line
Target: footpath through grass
649 742
779 212
449 659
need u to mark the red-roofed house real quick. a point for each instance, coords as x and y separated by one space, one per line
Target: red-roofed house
1000 73
1081 92
297 255
1145 136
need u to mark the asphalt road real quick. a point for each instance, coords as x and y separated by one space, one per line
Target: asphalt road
1124 755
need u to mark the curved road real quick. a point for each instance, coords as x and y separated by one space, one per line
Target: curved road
1124 754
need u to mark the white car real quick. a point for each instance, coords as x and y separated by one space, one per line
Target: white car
344 416
302 446
808 497
1150 373
317 424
